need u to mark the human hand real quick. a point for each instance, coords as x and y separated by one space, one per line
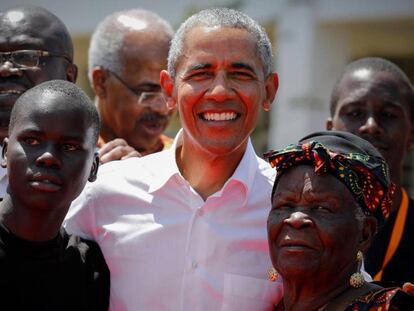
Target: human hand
117 149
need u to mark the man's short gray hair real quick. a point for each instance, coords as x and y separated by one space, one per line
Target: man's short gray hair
221 17
107 39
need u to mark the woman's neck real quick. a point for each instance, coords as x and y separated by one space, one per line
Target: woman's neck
338 298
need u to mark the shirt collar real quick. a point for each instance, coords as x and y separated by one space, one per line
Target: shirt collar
243 175
167 167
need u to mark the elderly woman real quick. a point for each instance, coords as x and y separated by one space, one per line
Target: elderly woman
330 193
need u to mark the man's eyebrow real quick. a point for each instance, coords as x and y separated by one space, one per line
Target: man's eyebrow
240 65
200 67
30 130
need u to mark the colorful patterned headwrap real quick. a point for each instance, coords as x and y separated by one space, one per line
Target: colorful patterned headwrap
351 159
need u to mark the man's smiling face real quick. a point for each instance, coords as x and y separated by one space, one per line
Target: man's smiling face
219 88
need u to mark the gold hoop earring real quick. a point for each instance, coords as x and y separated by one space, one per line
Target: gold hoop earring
272 275
357 279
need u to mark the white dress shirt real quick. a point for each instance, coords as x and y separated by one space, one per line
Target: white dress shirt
167 248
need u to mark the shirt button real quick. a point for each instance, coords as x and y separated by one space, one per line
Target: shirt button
200 212
194 264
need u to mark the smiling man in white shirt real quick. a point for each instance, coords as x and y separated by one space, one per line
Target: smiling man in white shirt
185 229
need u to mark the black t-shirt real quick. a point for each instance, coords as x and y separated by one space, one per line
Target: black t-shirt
66 273
401 266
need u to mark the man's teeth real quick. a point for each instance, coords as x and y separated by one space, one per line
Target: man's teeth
223 116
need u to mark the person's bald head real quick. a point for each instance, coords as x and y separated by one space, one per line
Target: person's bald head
37 31
58 96
36 23
135 29
375 65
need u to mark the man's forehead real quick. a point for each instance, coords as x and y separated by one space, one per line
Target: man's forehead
374 81
210 42
201 31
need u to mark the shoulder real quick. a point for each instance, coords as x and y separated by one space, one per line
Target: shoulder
386 298
85 250
265 170
133 170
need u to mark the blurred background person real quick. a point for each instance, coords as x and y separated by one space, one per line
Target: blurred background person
374 99
35 46
127 52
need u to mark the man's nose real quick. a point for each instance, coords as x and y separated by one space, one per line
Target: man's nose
220 89
159 105
298 220
7 69
371 126
49 158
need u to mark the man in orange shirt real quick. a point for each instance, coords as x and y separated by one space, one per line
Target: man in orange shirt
127 52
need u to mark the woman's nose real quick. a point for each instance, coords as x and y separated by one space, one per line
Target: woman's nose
298 219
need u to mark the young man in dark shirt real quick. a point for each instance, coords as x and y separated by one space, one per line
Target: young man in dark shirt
49 154
374 99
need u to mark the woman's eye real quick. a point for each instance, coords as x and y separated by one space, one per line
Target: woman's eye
389 115
281 207
323 209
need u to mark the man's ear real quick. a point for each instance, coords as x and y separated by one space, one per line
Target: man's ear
98 81
369 229
4 152
71 73
167 86
329 125
271 86
94 168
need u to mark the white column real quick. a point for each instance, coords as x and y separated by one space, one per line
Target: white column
308 57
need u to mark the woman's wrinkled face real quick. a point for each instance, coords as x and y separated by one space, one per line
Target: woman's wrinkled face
312 226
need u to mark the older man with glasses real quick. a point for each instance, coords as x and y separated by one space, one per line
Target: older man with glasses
127 52
35 46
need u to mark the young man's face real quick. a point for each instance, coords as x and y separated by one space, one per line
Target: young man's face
19 30
219 88
371 105
49 154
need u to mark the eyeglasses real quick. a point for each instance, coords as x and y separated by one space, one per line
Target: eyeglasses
145 98
28 59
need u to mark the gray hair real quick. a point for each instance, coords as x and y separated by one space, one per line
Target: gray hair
107 39
221 17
